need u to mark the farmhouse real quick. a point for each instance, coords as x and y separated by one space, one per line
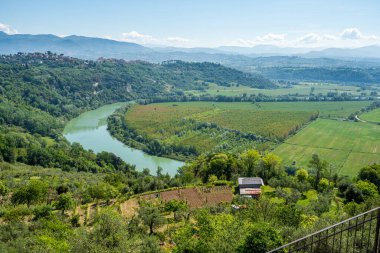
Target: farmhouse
250 186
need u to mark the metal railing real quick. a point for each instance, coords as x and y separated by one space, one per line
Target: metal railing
357 234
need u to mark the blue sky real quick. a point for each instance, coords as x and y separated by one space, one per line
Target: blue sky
189 23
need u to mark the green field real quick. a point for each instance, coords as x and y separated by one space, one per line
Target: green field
347 146
372 116
178 123
301 89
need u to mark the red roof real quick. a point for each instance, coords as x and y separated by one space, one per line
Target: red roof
250 191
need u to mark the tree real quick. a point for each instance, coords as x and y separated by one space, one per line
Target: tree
151 216
110 229
102 190
354 194
368 189
270 166
218 165
302 175
35 191
65 201
261 239
250 159
371 173
323 184
319 167
42 211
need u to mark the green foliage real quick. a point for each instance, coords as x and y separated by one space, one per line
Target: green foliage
65 201
109 229
151 216
249 159
261 238
368 189
3 189
319 167
102 190
323 184
371 173
302 175
34 192
17 213
42 211
354 194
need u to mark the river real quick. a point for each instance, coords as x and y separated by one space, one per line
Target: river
90 130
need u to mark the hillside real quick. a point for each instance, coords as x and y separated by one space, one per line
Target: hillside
63 87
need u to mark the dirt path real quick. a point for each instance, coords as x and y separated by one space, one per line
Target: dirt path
360 120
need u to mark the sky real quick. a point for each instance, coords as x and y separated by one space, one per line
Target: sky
201 23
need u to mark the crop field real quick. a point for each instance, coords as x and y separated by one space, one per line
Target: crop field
347 146
245 117
302 89
175 123
372 116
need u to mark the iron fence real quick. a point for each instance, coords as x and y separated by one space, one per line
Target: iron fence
359 234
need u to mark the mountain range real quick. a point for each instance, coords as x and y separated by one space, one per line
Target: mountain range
91 48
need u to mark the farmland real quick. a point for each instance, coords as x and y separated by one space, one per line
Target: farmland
218 126
345 145
300 89
372 116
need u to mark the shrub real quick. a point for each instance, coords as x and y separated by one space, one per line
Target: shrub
42 211
261 239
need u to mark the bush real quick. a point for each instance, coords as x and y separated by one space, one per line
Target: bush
261 239
75 220
43 211
17 213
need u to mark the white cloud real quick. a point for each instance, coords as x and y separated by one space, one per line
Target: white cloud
351 34
350 37
138 37
7 29
356 34
267 39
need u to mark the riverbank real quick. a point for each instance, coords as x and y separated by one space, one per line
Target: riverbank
90 130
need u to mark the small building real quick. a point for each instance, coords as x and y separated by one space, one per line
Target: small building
250 186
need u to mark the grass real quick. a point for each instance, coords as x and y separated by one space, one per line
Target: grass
372 116
347 146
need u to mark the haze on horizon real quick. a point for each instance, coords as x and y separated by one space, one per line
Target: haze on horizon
197 23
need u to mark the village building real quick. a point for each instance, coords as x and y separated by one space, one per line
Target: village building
250 186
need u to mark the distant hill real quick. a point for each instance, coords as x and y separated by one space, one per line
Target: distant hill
75 46
292 64
93 48
346 53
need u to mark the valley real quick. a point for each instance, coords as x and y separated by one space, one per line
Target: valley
149 156
293 130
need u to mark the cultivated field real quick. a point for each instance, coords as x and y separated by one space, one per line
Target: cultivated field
372 116
178 123
347 146
162 121
302 89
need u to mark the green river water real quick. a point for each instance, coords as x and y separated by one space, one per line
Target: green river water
90 130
